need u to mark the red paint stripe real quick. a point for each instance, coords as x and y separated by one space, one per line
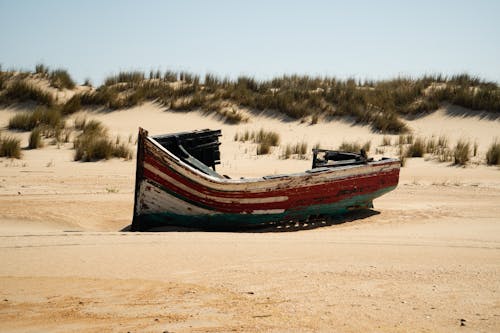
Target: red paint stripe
305 196
245 194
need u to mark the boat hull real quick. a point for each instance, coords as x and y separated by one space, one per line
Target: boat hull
169 192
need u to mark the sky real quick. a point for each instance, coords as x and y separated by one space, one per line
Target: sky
362 39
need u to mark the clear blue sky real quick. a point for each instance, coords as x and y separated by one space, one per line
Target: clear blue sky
364 39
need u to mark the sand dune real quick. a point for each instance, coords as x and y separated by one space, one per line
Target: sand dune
426 259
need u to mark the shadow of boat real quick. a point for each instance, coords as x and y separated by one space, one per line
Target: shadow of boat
289 226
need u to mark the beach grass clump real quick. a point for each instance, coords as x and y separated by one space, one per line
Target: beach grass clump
22 91
188 103
314 119
72 105
87 82
300 148
349 146
389 123
232 116
269 138
80 122
263 148
493 153
386 141
439 148
35 140
264 139
442 141
417 148
354 147
60 79
41 116
287 152
245 136
133 77
10 147
402 155
366 146
94 144
41 69
461 152
444 154
405 139
422 106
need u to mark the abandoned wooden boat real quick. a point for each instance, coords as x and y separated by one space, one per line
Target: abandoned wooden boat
176 184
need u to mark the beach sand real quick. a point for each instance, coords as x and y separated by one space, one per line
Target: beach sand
426 258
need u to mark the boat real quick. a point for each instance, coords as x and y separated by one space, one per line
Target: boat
177 185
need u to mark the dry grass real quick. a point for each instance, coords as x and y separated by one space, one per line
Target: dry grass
21 91
41 116
264 139
61 79
72 105
134 77
386 141
10 147
35 139
402 155
263 148
493 153
94 144
417 148
268 137
461 153
405 139
380 104
299 149
354 147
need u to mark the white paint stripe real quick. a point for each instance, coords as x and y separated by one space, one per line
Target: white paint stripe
155 200
169 179
268 211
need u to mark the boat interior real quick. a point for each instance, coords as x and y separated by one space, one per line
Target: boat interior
200 150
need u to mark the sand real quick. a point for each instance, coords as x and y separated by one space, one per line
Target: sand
427 258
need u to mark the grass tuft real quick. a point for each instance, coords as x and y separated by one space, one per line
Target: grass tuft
10 147
42 69
269 138
493 153
386 141
133 77
402 155
354 147
350 146
461 153
417 148
41 116
94 144
72 105
22 91
61 79
263 148
35 139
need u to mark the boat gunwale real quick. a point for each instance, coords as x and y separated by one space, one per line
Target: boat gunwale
391 162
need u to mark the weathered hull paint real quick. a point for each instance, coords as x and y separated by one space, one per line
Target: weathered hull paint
170 192
231 221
